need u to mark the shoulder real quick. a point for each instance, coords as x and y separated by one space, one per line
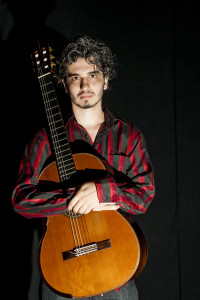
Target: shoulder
39 140
127 127
116 119
42 134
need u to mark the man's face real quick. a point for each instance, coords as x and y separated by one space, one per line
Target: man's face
85 84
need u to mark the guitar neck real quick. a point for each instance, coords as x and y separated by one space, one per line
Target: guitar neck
64 158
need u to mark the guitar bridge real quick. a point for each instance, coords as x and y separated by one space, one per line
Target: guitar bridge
86 249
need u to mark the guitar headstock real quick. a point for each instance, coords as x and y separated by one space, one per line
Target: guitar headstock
43 60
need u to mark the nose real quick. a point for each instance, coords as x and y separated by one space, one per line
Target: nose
84 84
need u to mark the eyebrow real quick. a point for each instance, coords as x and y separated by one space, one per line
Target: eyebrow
77 74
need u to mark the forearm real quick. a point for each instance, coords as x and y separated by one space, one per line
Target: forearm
133 189
34 201
31 197
131 199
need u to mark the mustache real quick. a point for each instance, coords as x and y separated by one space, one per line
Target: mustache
86 92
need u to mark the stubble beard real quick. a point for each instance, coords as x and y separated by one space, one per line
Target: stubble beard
85 103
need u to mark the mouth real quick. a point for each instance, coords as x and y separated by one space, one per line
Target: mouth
85 95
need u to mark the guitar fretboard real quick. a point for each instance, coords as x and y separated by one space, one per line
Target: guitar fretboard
64 158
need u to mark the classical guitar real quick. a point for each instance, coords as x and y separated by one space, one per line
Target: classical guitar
82 255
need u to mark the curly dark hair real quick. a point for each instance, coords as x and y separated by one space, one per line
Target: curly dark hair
94 52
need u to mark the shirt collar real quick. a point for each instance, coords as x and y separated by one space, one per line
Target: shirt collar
109 117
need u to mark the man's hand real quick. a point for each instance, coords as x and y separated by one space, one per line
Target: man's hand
86 200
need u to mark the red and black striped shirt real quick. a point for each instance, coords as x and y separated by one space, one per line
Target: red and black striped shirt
129 181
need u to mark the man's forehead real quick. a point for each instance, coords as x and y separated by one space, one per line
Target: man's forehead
82 66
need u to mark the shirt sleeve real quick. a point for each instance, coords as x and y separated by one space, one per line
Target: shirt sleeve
31 197
134 189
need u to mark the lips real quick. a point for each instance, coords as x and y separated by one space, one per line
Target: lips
86 95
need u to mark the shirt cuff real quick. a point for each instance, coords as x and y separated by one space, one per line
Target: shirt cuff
106 190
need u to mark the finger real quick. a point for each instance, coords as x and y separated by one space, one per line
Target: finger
85 209
73 202
103 206
82 208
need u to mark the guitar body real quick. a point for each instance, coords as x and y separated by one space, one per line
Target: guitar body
109 253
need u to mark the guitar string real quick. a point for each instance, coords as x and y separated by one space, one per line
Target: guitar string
77 232
79 223
74 229
73 233
85 229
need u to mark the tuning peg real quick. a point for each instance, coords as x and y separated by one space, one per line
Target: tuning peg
52 65
50 49
52 56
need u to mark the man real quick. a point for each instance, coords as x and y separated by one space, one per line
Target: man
85 68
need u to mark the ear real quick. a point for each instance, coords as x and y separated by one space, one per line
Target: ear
105 83
65 86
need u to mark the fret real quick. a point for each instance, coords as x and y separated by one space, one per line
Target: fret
58 145
69 172
65 169
52 108
64 155
63 173
63 161
57 135
56 121
53 119
58 128
64 139
59 149
61 153
58 113
68 167
47 93
46 84
49 100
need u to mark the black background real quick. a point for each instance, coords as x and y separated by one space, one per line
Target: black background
157 44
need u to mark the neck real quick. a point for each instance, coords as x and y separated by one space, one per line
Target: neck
89 117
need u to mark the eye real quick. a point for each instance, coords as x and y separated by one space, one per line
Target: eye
92 76
74 78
